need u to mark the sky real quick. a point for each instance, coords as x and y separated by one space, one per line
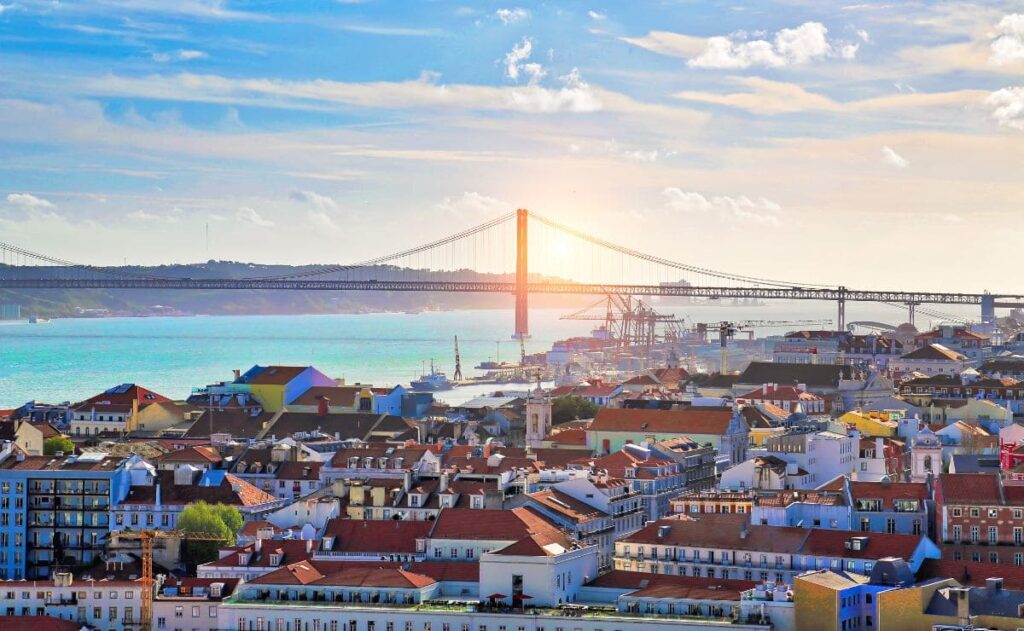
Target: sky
870 144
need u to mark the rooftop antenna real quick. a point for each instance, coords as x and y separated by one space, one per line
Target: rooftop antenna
207 240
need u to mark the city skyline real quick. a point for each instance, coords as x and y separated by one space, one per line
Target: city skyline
334 132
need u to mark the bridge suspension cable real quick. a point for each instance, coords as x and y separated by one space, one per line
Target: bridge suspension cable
666 262
380 260
8 248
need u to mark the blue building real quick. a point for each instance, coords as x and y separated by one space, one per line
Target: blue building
55 510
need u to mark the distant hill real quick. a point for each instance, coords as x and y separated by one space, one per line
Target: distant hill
72 302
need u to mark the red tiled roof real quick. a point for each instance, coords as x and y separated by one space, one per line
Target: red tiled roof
832 543
37 623
688 421
131 393
664 586
722 531
289 550
343 396
933 352
232 490
192 454
970 488
298 470
573 436
972 573
277 375
349 574
779 393
573 509
385 537
186 585
535 546
490 525
890 491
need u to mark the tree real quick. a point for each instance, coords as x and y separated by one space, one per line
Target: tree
54 444
572 408
218 520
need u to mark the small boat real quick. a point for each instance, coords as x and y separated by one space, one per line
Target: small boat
432 382
37 320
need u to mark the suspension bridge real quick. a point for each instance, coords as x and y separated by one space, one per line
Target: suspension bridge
518 253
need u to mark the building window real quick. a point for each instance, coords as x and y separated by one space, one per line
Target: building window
975 534
890 526
957 512
916 527
993 534
957 533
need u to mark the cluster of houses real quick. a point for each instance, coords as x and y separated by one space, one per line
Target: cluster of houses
792 495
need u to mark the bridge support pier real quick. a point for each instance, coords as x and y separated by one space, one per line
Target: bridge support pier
522 276
841 314
988 309
911 312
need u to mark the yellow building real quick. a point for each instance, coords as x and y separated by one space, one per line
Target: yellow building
162 415
945 602
873 423
821 600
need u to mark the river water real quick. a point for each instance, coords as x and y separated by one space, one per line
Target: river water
72 359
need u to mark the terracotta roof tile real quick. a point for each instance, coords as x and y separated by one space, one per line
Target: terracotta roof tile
687 421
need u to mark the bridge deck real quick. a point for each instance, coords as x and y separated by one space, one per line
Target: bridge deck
768 293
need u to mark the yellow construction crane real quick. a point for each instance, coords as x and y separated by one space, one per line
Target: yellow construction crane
146 539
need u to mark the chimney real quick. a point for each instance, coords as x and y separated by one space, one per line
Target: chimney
443 486
744 531
879 447
258 545
802 387
323 406
309 546
238 374
487 450
407 480
963 606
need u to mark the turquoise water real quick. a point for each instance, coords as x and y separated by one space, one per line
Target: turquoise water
76 358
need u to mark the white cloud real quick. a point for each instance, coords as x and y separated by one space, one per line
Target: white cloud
575 95
790 46
1008 46
864 36
641 155
320 202
511 16
1008 105
594 15
516 64
5 7
321 94
471 203
322 220
142 215
28 200
249 215
179 55
892 158
742 208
